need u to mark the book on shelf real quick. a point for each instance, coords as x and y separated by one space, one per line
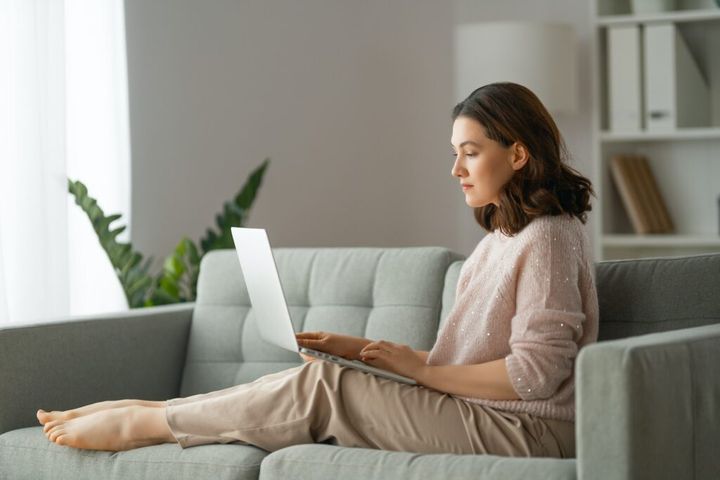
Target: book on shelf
640 194
659 207
643 186
625 184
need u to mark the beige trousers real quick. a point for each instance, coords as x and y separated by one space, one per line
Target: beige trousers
322 402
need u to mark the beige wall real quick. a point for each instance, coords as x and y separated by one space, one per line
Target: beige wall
350 100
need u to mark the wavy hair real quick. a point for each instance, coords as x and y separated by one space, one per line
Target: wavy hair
545 185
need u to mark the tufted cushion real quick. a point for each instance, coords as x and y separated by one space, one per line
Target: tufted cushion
378 293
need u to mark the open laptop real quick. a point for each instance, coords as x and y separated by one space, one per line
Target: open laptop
266 295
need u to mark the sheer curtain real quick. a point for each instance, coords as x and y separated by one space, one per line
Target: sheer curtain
63 112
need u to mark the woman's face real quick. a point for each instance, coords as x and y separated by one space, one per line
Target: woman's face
482 163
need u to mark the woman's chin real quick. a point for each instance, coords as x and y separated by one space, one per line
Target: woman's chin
474 203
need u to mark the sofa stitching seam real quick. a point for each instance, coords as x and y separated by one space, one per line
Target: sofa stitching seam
135 461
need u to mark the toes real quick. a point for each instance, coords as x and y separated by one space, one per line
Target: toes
42 416
53 428
63 439
50 425
56 433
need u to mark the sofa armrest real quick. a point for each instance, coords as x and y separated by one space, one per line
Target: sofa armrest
649 406
79 360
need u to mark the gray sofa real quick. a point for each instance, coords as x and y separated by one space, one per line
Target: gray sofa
648 393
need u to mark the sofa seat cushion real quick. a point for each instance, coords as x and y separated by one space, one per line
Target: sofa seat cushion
27 454
331 462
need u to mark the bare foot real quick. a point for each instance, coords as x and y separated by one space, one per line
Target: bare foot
114 429
63 415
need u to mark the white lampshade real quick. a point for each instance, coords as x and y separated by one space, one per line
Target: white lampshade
538 55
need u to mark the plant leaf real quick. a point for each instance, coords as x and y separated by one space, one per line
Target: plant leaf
125 261
234 213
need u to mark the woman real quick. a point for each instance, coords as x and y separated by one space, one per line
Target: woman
499 379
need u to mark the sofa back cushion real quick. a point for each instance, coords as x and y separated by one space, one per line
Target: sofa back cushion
640 296
451 280
378 293
650 295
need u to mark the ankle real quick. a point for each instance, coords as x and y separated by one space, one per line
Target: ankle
148 424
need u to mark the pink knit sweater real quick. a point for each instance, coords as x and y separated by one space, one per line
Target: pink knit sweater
530 299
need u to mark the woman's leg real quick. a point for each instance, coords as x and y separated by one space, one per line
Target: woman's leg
124 424
315 402
114 429
326 403
45 417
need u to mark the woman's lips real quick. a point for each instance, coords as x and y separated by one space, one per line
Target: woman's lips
465 187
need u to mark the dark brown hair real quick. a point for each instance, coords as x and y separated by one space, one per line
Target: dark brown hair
545 185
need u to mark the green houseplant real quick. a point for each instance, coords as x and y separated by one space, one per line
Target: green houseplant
178 279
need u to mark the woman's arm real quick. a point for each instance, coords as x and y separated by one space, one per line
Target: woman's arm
422 354
483 380
347 346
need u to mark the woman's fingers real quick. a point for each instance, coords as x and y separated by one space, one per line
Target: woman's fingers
374 353
310 339
376 358
310 335
370 352
307 358
371 355
380 345
372 346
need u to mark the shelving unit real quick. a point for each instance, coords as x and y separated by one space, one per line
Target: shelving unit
685 161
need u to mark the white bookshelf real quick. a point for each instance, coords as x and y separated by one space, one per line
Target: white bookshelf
685 161
680 134
700 15
658 240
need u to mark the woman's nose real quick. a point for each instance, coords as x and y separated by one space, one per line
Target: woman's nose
456 170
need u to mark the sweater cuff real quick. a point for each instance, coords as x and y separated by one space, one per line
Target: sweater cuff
517 378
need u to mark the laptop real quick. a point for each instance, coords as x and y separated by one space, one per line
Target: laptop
268 300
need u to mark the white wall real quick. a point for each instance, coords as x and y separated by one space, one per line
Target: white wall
350 100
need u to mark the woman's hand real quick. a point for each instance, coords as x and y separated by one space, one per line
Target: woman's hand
307 358
345 346
395 357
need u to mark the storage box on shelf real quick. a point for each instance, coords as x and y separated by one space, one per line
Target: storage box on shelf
683 149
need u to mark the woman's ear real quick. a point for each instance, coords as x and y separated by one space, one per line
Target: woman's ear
520 155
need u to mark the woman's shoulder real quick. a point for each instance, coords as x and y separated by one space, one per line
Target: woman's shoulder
549 226
555 232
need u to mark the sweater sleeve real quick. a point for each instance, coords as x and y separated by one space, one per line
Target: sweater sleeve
548 319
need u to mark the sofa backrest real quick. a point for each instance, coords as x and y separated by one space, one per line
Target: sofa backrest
404 295
650 295
647 295
379 293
